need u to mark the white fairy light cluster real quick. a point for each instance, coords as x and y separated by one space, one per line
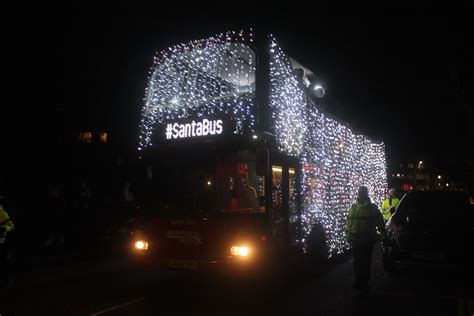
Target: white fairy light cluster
216 76
202 79
335 161
287 102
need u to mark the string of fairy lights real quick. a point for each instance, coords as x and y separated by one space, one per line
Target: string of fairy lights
202 78
217 76
335 161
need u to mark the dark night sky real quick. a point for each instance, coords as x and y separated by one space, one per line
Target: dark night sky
389 75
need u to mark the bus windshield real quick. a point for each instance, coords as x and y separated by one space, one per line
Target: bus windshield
206 183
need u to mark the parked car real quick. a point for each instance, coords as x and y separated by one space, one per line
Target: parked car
433 228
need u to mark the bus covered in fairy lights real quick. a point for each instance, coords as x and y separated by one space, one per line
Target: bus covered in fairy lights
246 164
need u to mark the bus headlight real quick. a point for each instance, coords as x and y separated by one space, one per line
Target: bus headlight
241 251
141 245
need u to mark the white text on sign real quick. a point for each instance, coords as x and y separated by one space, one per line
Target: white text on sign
194 129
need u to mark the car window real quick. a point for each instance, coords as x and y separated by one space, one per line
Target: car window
436 205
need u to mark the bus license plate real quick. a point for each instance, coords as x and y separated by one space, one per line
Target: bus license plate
183 264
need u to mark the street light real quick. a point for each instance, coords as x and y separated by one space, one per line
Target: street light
309 79
318 90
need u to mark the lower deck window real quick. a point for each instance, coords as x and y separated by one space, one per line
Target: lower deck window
240 189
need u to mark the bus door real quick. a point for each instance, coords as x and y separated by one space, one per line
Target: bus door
285 207
294 219
278 216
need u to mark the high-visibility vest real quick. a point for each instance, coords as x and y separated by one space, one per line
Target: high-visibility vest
5 222
364 223
387 204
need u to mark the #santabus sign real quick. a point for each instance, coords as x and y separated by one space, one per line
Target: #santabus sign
194 129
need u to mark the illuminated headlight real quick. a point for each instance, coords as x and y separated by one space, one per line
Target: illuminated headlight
141 245
239 251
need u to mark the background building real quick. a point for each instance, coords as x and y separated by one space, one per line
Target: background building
422 176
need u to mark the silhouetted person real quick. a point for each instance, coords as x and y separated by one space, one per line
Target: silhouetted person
361 232
85 195
126 196
55 206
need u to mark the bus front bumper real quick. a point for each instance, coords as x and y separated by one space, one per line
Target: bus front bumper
228 266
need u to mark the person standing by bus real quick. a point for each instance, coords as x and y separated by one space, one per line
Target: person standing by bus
364 227
389 204
6 225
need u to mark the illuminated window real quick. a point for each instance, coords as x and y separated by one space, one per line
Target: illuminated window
278 216
277 187
85 137
292 207
103 137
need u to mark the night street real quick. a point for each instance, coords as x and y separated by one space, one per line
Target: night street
284 161
115 288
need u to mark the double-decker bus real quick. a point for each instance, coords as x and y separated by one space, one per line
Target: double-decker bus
247 167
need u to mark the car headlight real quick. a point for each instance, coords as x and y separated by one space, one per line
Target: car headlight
241 251
141 245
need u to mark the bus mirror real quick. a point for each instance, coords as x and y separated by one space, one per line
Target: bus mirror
263 162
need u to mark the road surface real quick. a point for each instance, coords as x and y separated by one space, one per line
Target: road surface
114 287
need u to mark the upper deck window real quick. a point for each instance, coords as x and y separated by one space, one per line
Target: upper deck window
210 78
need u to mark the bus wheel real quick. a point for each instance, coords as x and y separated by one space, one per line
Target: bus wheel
388 264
